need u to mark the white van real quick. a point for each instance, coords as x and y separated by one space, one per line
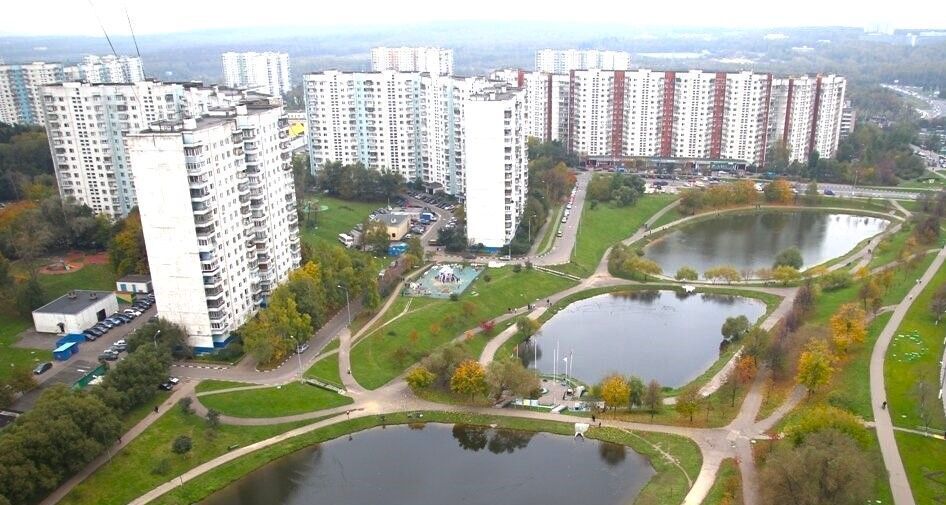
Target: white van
346 239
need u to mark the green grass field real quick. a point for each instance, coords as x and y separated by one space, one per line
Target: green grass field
216 385
889 248
285 400
668 217
131 471
728 486
555 220
340 217
924 460
606 225
384 353
913 356
326 369
98 277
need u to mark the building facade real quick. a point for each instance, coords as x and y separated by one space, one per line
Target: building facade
434 60
21 96
87 125
266 73
219 216
99 69
561 61
848 120
496 165
412 123
695 114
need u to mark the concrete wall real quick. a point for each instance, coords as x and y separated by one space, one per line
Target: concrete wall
49 323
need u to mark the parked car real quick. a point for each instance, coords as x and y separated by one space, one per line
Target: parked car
167 386
303 348
108 323
173 380
98 332
828 192
89 336
120 346
132 312
124 318
42 368
108 356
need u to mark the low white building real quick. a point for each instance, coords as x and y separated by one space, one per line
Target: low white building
75 311
134 284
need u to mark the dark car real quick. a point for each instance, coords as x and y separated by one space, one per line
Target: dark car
42 368
828 192
91 337
107 324
167 386
108 355
98 332
124 317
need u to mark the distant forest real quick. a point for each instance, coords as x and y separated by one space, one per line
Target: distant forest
480 47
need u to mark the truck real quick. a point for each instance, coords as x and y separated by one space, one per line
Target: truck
426 217
397 248
346 239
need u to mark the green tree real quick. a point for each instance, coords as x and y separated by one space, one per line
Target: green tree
133 381
509 374
686 273
375 237
126 251
654 398
787 476
688 403
790 257
29 296
785 274
469 378
182 445
527 327
213 419
419 378
636 393
735 327
824 417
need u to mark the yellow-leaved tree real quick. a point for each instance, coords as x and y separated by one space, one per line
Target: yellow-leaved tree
848 326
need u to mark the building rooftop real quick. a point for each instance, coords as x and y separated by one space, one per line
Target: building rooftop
393 219
135 278
74 302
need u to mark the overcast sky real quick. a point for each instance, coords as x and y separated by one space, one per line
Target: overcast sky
77 17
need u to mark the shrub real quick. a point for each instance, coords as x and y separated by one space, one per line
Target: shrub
182 445
517 268
838 279
454 297
185 405
161 467
487 278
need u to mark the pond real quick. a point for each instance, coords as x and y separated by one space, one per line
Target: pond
750 241
663 335
436 464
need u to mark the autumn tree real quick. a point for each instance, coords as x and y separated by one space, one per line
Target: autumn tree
785 274
814 365
743 373
509 374
688 402
267 336
615 391
723 273
848 326
126 251
787 474
469 379
654 398
778 191
871 294
938 303
686 273
527 327
375 237
419 378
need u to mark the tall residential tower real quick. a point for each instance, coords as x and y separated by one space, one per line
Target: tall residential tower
266 73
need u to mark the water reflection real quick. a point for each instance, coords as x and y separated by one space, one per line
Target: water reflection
652 334
751 241
424 467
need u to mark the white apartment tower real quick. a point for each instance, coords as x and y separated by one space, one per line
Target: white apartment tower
87 125
412 123
21 100
96 69
266 73
434 60
561 61
219 215
496 168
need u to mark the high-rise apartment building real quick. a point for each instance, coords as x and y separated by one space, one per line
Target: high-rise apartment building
435 60
97 69
495 165
21 100
266 73
409 122
848 119
219 214
21 84
694 114
87 125
561 61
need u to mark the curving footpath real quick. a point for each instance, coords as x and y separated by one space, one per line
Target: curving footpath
899 485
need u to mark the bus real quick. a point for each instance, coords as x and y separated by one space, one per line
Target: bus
346 239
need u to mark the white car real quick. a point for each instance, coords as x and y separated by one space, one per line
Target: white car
132 312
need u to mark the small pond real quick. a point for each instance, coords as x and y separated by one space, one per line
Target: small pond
750 241
436 464
664 335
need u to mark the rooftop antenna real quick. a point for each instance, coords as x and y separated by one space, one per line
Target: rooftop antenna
97 18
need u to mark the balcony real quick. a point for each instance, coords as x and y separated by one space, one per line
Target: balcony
216 292
215 303
251 147
285 156
217 315
238 151
205 231
209 267
199 195
212 280
283 134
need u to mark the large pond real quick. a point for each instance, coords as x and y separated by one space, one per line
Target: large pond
437 464
662 335
750 241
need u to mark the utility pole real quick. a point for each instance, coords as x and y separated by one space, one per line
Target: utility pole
155 338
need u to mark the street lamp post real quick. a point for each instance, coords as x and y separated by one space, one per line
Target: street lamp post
347 303
298 355
155 338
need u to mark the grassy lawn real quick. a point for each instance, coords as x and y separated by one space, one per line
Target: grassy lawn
384 353
341 217
924 460
668 481
140 412
98 277
889 248
850 386
728 486
878 205
215 385
555 217
913 356
606 225
668 217
326 369
132 470
286 400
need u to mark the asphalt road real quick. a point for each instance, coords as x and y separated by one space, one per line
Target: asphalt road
561 250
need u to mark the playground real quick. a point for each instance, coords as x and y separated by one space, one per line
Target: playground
441 281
